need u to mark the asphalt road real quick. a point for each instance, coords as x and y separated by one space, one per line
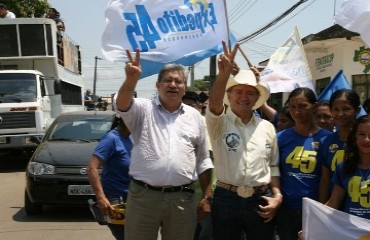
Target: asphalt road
55 223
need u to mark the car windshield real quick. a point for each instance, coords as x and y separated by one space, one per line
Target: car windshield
86 130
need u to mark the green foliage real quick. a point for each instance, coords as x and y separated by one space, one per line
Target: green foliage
202 84
27 8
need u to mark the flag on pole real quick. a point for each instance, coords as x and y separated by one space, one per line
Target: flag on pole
287 68
320 222
338 82
176 31
152 67
354 15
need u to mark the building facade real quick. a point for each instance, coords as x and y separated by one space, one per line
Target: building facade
330 51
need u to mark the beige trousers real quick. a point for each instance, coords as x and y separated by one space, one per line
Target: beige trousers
148 211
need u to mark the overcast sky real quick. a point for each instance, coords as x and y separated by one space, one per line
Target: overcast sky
85 23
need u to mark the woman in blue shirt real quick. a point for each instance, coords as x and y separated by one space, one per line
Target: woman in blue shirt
352 176
344 106
113 153
299 170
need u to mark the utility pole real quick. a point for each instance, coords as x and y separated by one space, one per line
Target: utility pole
95 77
191 69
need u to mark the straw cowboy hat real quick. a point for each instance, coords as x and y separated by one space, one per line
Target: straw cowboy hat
247 77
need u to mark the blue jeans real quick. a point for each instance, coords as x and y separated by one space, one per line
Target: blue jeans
289 223
118 231
232 216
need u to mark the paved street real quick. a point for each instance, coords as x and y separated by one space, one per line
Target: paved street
56 222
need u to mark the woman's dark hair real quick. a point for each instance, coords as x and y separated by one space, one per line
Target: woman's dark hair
285 111
366 105
307 92
352 156
350 95
117 121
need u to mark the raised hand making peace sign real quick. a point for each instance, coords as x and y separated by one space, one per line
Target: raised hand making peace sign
133 68
226 61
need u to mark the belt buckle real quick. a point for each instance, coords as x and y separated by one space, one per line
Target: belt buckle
245 191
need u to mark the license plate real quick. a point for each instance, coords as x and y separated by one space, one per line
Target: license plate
80 190
2 140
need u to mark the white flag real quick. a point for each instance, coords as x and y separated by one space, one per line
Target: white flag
163 30
320 222
354 15
287 68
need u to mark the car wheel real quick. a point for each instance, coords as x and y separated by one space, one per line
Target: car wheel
30 207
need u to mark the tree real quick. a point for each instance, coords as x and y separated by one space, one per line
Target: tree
202 84
27 8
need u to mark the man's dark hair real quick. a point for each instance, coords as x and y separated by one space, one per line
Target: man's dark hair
54 10
3 6
191 95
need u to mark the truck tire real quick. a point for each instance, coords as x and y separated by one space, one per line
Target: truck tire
30 207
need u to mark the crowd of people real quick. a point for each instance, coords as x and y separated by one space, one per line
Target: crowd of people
52 14
225 173
250 173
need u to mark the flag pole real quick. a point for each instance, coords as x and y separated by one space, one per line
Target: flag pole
296 31
245 57
227 27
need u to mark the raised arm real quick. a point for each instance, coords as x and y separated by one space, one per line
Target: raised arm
225 67
127 90
266 109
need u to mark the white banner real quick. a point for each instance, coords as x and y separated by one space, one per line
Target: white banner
163 30
287 68
354 15
320 222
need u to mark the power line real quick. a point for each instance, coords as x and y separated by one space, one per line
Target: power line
282 23
241 11
273 22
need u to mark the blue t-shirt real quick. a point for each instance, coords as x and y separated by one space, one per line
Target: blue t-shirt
300 172
357 188
331 152
115 151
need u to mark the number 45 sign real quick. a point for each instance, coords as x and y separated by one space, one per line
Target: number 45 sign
304 160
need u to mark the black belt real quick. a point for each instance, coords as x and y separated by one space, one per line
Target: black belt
183 188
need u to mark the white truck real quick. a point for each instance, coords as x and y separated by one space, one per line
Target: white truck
40 78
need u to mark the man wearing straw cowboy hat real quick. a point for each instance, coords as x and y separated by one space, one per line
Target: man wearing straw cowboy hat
247 193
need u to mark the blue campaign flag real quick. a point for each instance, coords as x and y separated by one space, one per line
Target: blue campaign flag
339 82
149 68
177 31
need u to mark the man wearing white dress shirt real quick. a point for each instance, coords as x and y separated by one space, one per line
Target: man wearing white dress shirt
5 13
170 152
